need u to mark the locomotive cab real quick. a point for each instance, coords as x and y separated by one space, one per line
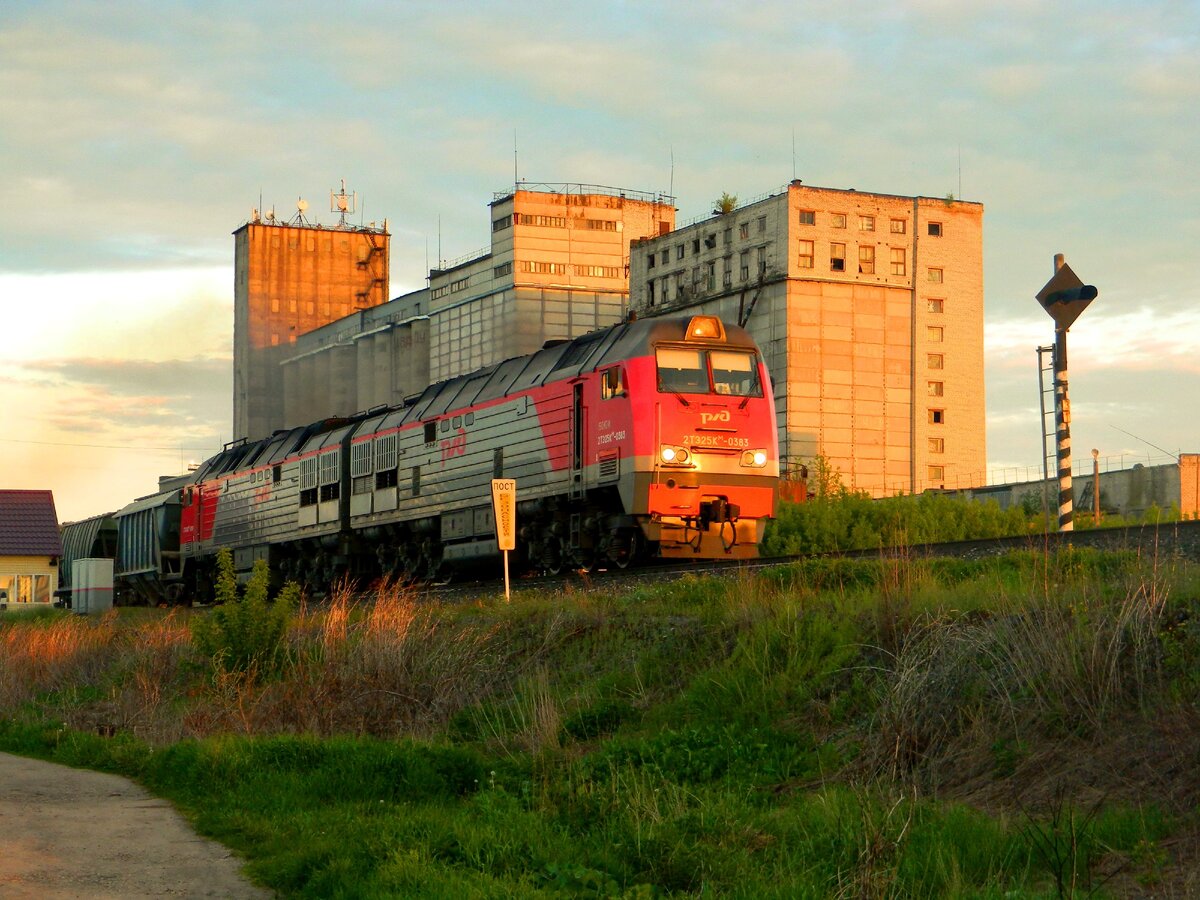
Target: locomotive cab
708 483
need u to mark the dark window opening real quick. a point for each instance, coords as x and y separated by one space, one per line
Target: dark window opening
430 432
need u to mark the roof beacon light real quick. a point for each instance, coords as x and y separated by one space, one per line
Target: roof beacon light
705 328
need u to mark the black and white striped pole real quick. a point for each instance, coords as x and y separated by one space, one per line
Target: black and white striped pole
1064 297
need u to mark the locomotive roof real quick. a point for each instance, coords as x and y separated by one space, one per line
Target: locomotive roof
554 362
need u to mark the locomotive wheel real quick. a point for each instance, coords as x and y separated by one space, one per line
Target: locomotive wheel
626 547
553 556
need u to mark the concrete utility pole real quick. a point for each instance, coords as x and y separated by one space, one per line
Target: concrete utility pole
1096 486
1064 297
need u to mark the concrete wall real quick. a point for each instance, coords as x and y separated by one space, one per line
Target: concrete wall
1126 492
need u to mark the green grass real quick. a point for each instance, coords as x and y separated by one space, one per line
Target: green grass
832 728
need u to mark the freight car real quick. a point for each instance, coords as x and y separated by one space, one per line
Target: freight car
651 438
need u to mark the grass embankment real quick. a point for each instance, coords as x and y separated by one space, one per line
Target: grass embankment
1016 727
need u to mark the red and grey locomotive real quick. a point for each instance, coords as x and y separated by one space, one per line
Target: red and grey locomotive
655 437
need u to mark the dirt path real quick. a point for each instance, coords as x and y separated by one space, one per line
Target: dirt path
73 833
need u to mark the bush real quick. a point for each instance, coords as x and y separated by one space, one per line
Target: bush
245 634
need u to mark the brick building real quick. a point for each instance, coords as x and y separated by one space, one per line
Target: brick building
290 279
869 310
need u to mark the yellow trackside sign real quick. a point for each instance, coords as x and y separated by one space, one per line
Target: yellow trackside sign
504 508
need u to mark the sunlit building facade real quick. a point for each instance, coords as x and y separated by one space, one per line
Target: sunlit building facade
869 310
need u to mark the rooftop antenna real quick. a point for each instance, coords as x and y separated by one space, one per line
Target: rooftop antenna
301 208
671 190
440 241
793 154
342 203
960 170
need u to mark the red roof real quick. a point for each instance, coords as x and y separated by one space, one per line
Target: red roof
28 524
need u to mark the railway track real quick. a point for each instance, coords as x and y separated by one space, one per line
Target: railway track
1168 540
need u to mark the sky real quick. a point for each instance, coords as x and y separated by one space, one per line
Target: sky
135 137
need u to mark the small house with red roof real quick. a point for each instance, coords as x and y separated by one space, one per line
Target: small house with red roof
30 547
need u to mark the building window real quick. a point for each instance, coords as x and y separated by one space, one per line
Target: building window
935 306
710 276
650 292
695 246
933 334
936 361
937 474
898 263
898 226
866 223
680 250
502 223
543 221
837 257
501 270
596 271
745 265
935 275
600 224
808 217
937 417
543 268
866 260
666 256
937 445
650 260
728 236
744 230
806 254
935 229
762 260
727 278
837 220
762 224
937 388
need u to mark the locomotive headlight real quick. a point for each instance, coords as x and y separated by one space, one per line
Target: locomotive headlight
675 456
756 458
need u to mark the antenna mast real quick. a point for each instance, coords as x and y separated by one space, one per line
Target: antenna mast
342 203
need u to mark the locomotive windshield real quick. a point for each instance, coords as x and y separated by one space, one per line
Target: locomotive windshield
693 371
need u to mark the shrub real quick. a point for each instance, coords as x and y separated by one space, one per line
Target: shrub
245 634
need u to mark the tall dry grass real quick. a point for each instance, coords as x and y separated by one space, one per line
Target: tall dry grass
94 673
382 665
1039 666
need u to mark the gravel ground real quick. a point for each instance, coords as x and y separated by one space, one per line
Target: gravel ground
73 833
